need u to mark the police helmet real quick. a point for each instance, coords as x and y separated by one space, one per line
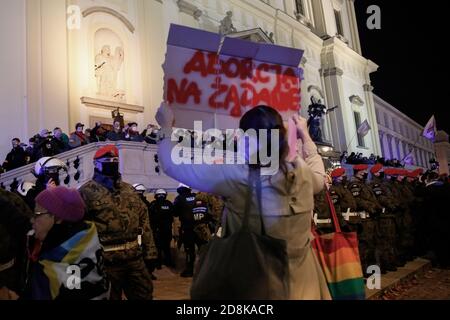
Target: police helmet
182 186
160 192
48 165
139 187
24 187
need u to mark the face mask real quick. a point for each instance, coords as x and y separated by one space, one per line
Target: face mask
134 129
110 169
365 175
161 197
381 175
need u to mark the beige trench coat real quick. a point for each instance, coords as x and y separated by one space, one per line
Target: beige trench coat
287 202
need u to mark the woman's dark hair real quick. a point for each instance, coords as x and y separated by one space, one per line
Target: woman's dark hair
264 117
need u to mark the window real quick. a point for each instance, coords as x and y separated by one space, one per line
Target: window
358 124
338 17
386 121
300 7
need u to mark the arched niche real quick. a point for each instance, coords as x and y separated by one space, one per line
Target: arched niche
112 12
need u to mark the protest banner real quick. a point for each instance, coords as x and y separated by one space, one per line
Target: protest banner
216 80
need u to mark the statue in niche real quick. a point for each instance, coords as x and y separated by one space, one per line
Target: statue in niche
107 68
226 25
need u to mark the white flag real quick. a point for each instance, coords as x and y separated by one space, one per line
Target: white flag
430 129
364 128
409 158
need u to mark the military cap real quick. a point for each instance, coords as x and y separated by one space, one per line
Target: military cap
360 167
376 168
390 172
105 151
337 172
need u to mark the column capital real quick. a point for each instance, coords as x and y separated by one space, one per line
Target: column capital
368 87
332 72
189 9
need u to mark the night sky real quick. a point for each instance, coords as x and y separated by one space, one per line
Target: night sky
414 65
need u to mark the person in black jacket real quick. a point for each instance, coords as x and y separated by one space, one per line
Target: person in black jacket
16 158
183 209
14 226
161 219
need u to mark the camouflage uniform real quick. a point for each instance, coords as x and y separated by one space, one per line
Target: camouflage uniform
407 234
14 224
386 232
322 213
342 200
120 217
215 208
366 201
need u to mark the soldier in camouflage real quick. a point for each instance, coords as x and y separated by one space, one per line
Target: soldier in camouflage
407 240
343 200
215 208
368 207
121 217
386 233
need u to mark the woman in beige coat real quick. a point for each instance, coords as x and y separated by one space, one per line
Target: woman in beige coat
287 195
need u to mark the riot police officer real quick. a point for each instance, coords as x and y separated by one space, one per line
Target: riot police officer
183 209
140 190
161 217
47 170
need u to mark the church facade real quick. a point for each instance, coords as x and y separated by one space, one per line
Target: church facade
70 61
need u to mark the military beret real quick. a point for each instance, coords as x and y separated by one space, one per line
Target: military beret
337 172
360 167
390 172
105 151
376 168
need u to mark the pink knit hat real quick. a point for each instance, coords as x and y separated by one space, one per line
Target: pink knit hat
65 204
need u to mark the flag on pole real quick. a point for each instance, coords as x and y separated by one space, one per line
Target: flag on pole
430 129
409 159
364 128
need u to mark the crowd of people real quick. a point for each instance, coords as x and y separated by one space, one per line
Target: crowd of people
116 237
396 213
88 225
50 143
359 158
